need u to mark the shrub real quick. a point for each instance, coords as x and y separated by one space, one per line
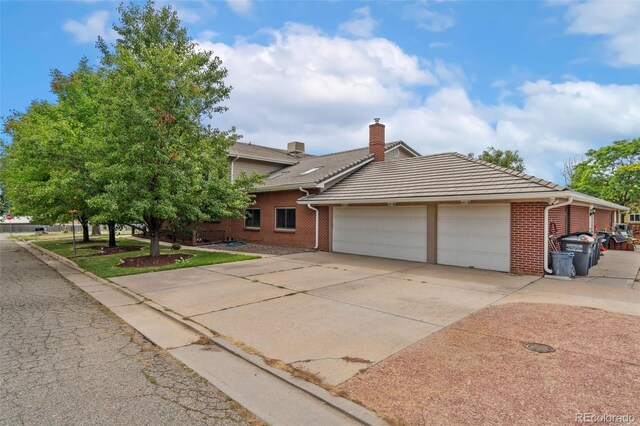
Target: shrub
175 246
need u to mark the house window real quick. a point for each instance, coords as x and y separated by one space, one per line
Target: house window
286 218
252 218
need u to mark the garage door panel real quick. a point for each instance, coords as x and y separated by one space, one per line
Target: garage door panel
473 235
394 232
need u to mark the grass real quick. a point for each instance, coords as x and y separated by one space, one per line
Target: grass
104 265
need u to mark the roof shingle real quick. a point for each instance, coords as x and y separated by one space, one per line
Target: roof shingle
439 175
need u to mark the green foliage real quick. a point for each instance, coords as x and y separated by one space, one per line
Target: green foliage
509 159
164 163
175 246
611 172
104 265
45 166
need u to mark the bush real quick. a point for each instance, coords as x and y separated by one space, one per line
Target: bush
175 246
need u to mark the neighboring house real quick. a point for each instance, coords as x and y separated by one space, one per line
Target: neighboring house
388 201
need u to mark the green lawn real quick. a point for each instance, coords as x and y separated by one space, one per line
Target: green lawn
104 266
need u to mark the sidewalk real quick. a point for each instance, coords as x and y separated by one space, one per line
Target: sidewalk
272 395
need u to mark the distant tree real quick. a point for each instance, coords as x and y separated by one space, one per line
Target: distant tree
611 172
568 166
164 163
509 159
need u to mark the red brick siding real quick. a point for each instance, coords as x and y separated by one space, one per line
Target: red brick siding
558 216
304 234
578 218
527 238
604 219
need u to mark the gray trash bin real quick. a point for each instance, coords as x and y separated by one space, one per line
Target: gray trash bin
562 264
582 250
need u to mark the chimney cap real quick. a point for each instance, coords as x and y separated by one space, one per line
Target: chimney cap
376 120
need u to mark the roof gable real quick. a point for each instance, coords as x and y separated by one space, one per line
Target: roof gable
312 170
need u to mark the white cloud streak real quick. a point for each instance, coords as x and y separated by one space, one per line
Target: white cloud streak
361 25
241 7
94 25
617 22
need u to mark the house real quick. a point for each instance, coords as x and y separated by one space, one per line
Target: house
387 200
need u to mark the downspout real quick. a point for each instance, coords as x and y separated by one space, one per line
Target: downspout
317 217
233 161
546 232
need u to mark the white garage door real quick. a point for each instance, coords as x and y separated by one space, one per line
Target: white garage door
474 235
395 232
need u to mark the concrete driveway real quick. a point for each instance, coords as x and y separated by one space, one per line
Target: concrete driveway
327 313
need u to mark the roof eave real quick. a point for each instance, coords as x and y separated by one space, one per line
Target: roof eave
284 187
541 195
265 159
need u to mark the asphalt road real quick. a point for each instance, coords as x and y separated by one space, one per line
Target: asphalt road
66 359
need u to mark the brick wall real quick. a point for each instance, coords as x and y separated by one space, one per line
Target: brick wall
578 218
604 219
303 236
527 238
558 217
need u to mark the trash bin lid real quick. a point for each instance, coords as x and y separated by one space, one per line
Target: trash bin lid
575 239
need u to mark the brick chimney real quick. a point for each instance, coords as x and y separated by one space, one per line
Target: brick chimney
376 140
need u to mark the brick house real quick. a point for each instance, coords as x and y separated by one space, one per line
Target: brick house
387 200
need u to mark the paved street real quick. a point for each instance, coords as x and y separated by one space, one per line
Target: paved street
65 359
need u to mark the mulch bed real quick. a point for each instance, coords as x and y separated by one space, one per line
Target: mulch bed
477 371
146 261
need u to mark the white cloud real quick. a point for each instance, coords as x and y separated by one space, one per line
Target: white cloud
241 7
188 15
324 90
428 19
305 79
93 26
362 25
616 21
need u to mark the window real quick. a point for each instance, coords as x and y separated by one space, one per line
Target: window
286 218
252 218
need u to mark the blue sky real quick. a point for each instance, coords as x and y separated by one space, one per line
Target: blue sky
551 79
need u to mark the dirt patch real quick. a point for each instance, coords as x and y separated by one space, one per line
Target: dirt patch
477 370
146 261
355 359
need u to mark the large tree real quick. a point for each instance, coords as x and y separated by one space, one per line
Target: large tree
165 162
611 172
45 167
509 159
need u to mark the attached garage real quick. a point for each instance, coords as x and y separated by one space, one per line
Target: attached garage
474 235
394 232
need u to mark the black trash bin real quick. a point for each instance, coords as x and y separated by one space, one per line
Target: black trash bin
582 252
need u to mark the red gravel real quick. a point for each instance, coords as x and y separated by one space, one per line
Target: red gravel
146 261
477 371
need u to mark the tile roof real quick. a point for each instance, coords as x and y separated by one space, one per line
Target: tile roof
439 175
265 153
314 169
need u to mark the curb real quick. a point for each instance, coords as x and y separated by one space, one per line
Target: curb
345 406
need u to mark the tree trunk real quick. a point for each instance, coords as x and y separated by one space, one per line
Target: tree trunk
154 233
85 229
112 233
95 230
